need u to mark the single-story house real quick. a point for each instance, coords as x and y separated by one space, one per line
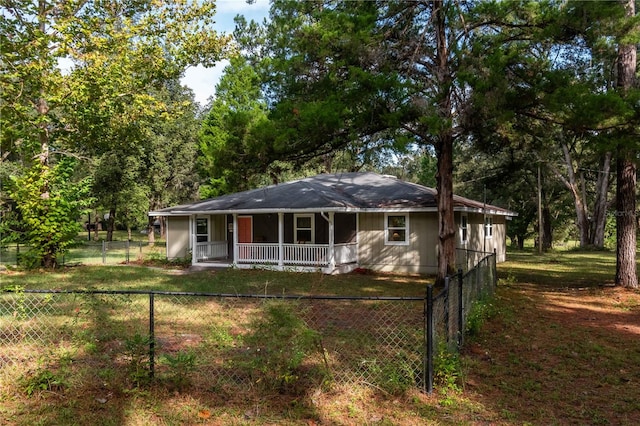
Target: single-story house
331 222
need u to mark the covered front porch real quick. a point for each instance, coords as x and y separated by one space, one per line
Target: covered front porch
299 241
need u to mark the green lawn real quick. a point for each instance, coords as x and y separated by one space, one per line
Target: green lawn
229 281
561 346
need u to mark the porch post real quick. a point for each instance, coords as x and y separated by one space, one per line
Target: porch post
192 229
280 240
235 238
332 253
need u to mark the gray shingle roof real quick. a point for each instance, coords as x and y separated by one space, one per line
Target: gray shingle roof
330 192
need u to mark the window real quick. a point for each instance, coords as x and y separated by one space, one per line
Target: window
396 229
464 229
488 227
202 229
304 228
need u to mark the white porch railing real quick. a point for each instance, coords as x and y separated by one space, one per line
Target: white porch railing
316 255
211 250
265 253
306 254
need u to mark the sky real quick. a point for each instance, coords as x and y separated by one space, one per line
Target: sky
203 80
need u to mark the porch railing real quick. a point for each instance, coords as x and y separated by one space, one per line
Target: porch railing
295 254
211 250
266 253
306 254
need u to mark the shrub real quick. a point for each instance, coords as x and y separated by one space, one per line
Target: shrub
137 352
181 365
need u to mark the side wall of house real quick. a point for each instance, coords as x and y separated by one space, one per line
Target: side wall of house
477 240
419 256
177 237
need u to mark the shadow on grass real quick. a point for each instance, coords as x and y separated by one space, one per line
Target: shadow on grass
559 357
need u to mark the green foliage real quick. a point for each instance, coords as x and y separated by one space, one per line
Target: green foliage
43 380
279 343
181 365
448 369
48 203
231 150
394 375
107 103
481 310
136 349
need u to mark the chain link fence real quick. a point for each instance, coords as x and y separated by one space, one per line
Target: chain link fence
92 253
448 312
235 342
226 341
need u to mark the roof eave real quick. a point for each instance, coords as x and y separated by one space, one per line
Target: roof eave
333 209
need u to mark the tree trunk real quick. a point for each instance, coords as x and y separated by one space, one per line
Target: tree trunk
151 231
446 223
582 217
444 149
626 220
547 229
599 219
626 174
97 228
111 223
163 227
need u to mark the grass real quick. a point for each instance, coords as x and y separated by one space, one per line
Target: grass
560 346
229 281
564 346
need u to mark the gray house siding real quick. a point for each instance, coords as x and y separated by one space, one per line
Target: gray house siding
419 256
178 237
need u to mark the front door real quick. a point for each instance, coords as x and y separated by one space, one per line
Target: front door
245 229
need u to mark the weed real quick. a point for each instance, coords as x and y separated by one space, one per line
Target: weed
181 366
43 380
448 369
137 352
220 337
393 375
481 310
509 280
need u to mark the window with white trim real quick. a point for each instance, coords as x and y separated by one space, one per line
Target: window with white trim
202 229
396 229
304 228
464 229
488 227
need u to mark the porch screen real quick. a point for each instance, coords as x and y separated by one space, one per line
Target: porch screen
202 230
304 229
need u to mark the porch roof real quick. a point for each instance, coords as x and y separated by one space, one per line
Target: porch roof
341 192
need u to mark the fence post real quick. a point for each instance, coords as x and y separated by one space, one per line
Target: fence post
104 252
460 311
428 315
127 245
494 269
447 281
17 254
152 338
